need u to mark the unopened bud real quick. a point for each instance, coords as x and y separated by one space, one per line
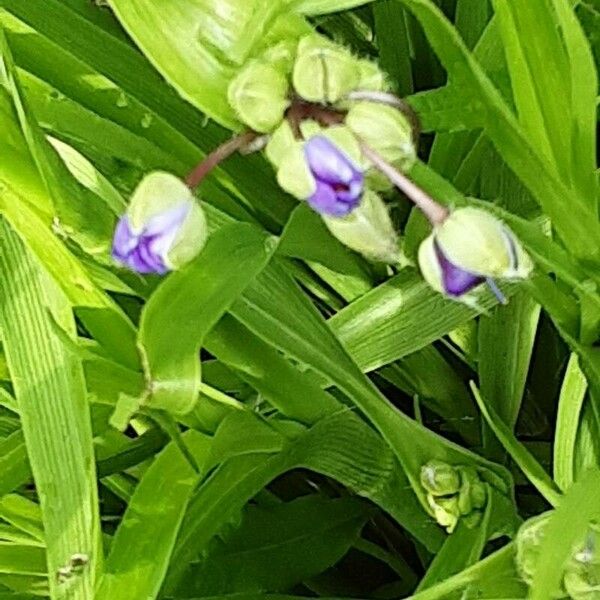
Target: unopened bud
371 77
259 95
468 248
163 229
368 230
385 129
324 71
440 478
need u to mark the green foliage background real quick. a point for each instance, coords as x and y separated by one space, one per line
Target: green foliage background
287 463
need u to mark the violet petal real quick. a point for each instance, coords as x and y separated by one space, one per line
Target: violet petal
456 281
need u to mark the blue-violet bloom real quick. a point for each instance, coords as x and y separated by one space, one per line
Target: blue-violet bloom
339 181
163 228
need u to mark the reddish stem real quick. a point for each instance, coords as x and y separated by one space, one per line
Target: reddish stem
217 156
435 212
301 110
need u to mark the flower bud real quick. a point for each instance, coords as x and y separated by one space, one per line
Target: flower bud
282 140
259 95
439 478
445 511
325 170
371 77
386 130
324 71
163 228
468 248
368 230
453 492
581 577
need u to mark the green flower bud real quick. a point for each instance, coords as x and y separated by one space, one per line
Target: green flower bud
371 77
259 95
324 71
528 541
445 511
283 139
439 478
386 130
368 230
281 56
477 242
468 248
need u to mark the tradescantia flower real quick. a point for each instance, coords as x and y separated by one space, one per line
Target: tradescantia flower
325 171
163 228
469 248
338 181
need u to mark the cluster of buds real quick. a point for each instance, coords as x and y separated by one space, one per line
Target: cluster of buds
453 493
338 140
581 576
301 95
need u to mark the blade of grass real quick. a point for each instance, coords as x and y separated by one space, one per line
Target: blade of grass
524 459
50 390
142 546
568 419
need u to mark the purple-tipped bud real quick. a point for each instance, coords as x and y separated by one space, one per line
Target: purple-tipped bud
456 281
339 181
469 248
163 229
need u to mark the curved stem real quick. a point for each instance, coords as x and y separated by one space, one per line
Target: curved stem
435 212
217 156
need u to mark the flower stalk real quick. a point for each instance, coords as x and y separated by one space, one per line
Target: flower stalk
435 213
217 156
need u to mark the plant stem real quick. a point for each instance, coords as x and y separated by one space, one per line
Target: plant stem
435 212
221 398
217 156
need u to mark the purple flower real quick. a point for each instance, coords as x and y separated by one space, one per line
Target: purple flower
339 182
164 227
456 281
145 250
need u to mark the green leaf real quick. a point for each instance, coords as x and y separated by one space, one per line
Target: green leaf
542 105
493 577
524 459
84 217
50 391
340 446
188 304
297 395
506 340
142 546
199 47
393 42
509 138
17 559
292 324
277 547
320 7
568 419
14 466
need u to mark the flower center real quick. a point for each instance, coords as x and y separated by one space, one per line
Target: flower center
340 187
